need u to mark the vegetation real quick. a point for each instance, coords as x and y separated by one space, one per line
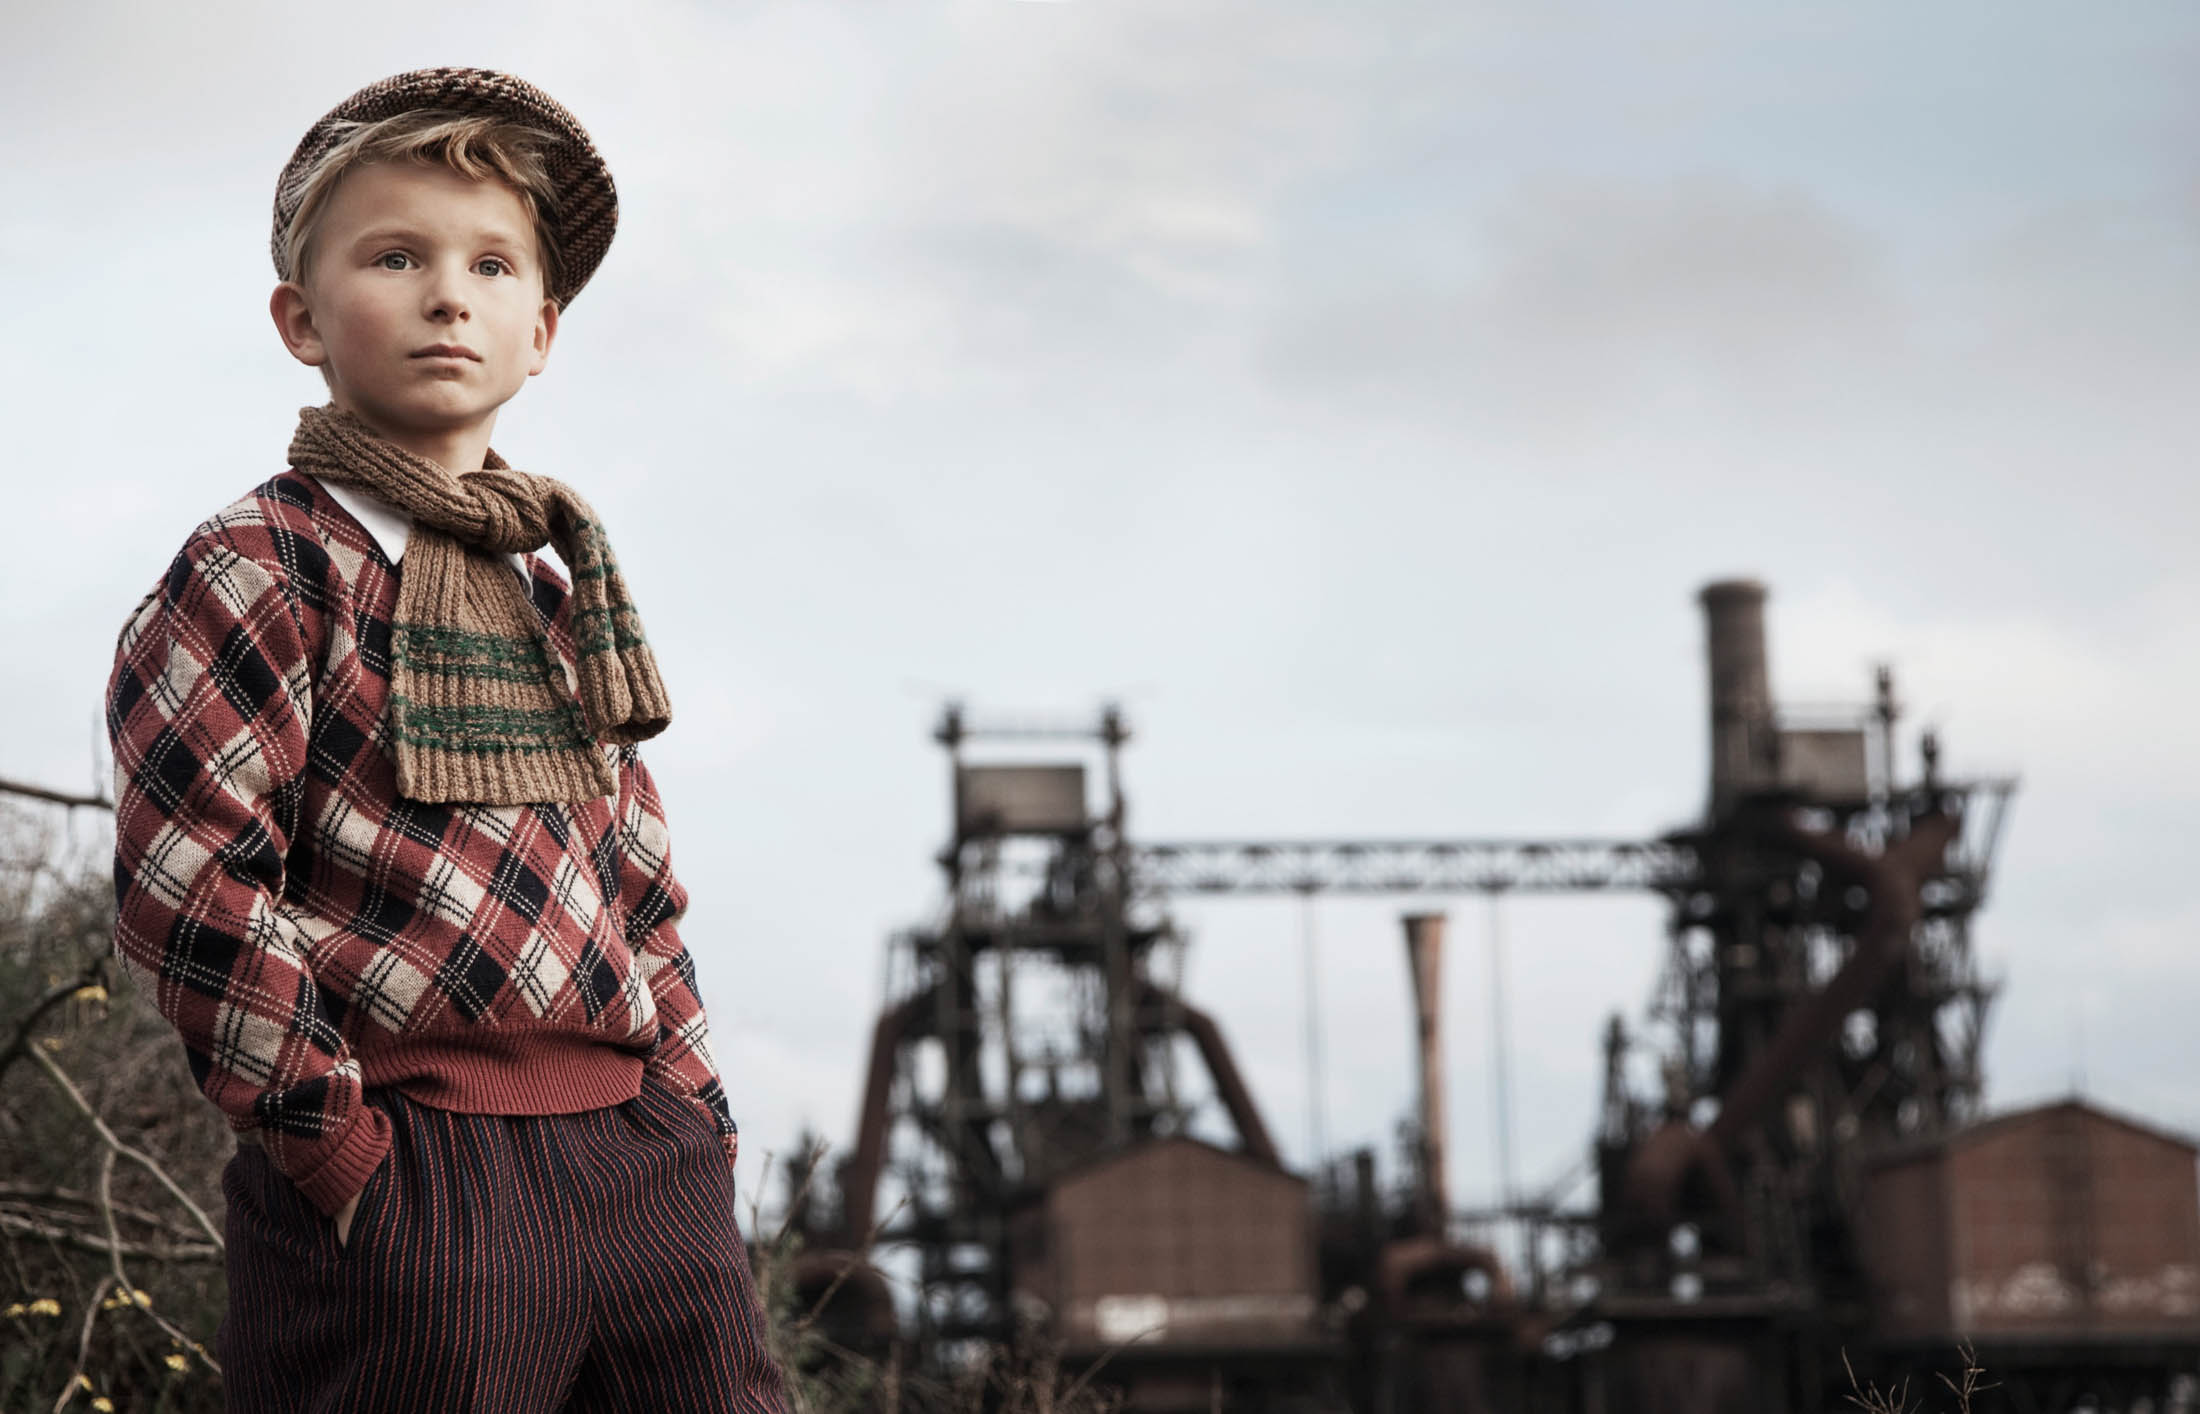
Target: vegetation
1963 1387
110 1162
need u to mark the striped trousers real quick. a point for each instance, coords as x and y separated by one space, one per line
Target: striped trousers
502 1264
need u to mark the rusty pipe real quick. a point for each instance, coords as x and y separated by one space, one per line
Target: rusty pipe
859 1176
1893 881
1662 1165
1425 961
1410 1260
1229 1085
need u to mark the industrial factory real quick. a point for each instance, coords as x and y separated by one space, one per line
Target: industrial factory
1056 1144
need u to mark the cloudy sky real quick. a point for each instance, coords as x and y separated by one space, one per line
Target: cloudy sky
1360 393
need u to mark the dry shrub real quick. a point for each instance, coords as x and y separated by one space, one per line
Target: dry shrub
73 1335
1962 1388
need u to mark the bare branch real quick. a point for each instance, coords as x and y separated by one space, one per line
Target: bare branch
94 975
23 1225
824 1298
107 1137
33 1202
107 1219
811 1160
57 797
83 1347
130 1293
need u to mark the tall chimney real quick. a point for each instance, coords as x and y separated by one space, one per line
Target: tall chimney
1742 745
1425 958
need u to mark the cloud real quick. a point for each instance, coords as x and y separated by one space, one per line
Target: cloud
1585 307
987 187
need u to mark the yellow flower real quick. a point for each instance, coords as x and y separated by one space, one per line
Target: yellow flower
175 1362
104 1405
91 992
14 1311
139 1298
44 1306
110 1303
51 1043
82 1382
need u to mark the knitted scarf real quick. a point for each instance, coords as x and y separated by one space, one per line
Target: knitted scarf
481 708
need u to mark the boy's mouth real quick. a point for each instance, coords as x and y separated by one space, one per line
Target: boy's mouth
446 351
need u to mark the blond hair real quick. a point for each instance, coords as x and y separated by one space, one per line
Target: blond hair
481 149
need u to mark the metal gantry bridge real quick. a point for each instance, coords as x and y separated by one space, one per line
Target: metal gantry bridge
1415 866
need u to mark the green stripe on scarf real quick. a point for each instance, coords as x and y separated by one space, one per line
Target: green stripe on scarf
484 730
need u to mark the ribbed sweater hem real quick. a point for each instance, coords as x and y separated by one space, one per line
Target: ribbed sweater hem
497 1072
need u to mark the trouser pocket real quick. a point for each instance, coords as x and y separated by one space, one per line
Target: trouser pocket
366 1219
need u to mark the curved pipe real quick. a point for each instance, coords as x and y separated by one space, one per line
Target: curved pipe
1893 881
860 1174
1661 1167
1411 1259
1229 1085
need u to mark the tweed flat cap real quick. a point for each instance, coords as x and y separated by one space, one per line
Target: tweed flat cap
585 210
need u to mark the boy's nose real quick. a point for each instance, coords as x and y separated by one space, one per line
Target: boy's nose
447 299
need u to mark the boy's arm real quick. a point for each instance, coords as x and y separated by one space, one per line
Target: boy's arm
654 902
208 711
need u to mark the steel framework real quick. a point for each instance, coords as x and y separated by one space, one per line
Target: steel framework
1414 866
1820 999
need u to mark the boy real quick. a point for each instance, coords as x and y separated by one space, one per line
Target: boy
385 854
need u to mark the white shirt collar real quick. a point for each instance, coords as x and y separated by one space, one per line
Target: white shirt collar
389 526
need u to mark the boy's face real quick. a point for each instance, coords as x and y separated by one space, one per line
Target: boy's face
424 304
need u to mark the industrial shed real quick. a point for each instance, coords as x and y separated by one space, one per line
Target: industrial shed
2060 1223
1171 1243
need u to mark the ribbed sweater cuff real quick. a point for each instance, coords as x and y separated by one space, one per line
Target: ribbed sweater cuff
360 1147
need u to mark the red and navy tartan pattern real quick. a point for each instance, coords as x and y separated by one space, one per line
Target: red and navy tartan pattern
587 1263
307 930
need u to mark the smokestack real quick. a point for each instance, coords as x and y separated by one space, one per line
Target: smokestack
1425 959
1742 745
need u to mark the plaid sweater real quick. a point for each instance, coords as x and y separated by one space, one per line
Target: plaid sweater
308 931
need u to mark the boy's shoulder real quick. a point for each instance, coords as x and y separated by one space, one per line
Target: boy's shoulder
293 526
284 524
289 533
270 539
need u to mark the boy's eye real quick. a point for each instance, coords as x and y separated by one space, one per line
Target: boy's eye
492 265
393 260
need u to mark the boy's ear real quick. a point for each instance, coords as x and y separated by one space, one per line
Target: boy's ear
294 321
546 330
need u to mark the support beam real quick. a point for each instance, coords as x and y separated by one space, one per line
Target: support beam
1414 866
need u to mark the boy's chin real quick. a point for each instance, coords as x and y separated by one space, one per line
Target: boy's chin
428 417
